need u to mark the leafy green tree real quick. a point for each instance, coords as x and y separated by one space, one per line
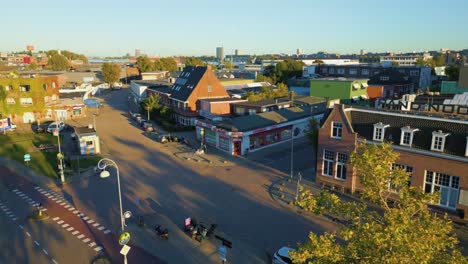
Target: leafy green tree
144 64
111 73
3 94
312 134
57 62
228 65
284 70
165 64
438 60
420 62
151 103
405 232
263 78
32 66
192 61
452 72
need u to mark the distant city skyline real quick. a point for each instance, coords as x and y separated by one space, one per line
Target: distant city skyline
195 28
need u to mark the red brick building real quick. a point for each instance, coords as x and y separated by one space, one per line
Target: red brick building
433 149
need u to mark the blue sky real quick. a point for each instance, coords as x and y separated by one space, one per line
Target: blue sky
176 27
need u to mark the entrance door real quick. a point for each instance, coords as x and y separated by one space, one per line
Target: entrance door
237 148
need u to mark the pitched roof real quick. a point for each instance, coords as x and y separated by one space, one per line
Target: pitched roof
455 144
252 122
187 81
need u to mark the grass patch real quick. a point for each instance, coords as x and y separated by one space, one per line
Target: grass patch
14 146
85 162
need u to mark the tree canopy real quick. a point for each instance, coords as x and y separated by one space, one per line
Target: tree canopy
281 90
284 70
152 102
165 64
69 55
192 61
111 73
57 62
402 232
144 64
452 72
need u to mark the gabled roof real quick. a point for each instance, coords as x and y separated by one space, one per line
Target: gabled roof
252 122
187 81
363 122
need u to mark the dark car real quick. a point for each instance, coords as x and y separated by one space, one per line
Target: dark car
148 126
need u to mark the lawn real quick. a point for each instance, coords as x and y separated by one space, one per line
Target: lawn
14 146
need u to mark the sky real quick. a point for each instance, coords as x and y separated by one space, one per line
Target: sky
197 27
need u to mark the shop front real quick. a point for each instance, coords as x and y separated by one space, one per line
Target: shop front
265 138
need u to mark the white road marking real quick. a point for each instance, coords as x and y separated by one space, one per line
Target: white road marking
75 232
62 203
56 218
37 188
15 190
27 233
55 262
60 222
37 243
107 231
54 199
76 211
85 218
20 226
65 225
95 224
90 221
80 236
45 252
70 229
71 209
66 206
14 219
97 248
86 240
22 195
101 228
92 244
43 192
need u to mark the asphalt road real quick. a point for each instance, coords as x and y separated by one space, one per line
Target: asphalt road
155 182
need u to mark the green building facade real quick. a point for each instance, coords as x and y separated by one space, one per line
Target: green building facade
451 87
346 90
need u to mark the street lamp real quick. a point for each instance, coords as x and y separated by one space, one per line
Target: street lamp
292 153
60 154
102 165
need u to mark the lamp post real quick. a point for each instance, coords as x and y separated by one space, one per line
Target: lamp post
59 155
292 153
102 165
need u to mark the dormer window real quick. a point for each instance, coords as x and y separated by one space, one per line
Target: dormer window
407 135
379 131
438 140
337 128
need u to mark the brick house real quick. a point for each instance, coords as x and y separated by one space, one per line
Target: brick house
433 149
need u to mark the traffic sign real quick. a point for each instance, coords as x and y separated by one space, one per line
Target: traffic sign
124 238
60 156
125 249
222 253
27 157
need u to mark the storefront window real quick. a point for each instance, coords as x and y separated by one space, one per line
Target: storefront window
224 143
286 134
210 137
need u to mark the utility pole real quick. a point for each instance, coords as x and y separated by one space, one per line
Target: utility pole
60 155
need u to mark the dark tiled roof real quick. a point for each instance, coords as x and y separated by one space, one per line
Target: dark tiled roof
224 99
455 143
394 78
187 81
252 122
161 89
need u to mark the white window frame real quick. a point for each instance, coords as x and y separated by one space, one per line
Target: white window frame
210 88
341 166
339 130
330 163
451 188
379 126
409 130
11 101
26 101
435 136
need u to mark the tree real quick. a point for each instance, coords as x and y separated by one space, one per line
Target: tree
312 134
165 64
228 65
111 73
192 61
403 232
452 72
57 62
144 64
263 78
152 102
32 66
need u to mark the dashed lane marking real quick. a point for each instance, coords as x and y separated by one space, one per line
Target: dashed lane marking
98 248
85 218
90 221
65 225
37 243
95 224
60 222
70 229
37 188
27 233
76 211
86 240
92 244
80 236
55 262
14 219
101 228
45 252
62 203
56 218
107 231
71 209
75 232
54 199
66 206
43 192
20 226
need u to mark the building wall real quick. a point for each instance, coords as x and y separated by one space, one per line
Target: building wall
463 79
201 90
220 108
344 145
451 87
334 89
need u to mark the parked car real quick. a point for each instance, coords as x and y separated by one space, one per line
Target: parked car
148 126
142 121
168 138
12 127
135 115
56 125
282 256
138 118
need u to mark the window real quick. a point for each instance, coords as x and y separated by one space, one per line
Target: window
379 131
414 73
341 166
210 88
332 70
324 70
328 162
353 71
447 185
46 99
53 85
26 101
11 101
252 112
340 71
365 72
8 88
45 86
384 78
407 135
405 168
337 129
438 140
25 88
54 97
